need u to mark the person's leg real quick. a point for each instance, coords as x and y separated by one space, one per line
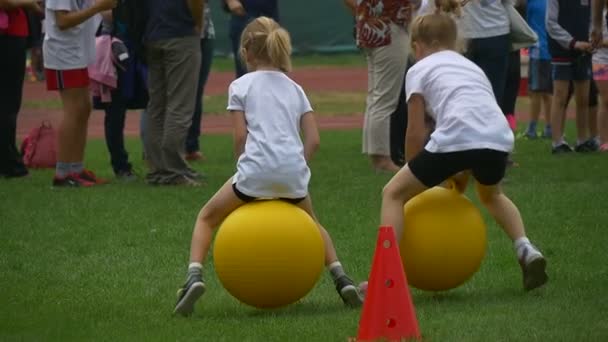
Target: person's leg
492 56
488 170
535 108
114 124
561 82
509 218
511 91
224 202
593 112
155 113
183 58
581 95
602 86
237 25
547 99
12 67
192 140
389 63
399 126
344 285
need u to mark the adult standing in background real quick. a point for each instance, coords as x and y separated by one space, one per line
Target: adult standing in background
207 43
486 26
241 13
172 42
381 32
13 39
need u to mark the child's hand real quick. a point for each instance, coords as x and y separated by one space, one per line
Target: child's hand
104 5
583 46
236 7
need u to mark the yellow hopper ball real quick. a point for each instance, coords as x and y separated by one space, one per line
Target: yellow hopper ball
268 254
444 239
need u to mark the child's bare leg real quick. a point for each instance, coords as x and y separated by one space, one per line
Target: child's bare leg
535 108
344 284
581 93
593 122
509 218
602 87
560 96
400 189
72 132
547 99
209 218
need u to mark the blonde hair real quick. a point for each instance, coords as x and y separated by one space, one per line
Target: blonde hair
438 29
268 43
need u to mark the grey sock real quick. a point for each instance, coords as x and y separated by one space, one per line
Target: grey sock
336 270
76 167
62 169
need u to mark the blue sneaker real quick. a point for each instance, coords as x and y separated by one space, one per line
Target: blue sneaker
547 132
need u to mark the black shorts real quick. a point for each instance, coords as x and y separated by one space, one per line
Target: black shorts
247 198
580 69
487 166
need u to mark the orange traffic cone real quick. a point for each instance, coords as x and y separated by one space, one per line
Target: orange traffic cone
388 312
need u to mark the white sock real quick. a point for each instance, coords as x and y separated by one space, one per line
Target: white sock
196 265
559 142
520 244
336 270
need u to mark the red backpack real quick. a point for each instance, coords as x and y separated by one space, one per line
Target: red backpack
38 148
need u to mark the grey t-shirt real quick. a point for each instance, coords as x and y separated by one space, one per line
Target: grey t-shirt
484 19
168 19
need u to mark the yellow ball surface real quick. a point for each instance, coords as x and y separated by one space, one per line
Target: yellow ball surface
268 254
444 240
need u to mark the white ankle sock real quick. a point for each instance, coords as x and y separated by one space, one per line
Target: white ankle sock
197 265
336 270
519 245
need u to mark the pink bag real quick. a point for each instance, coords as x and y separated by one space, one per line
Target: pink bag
38 148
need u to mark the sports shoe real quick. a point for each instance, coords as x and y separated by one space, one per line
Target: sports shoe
530 134
126 176
72 180
562 148
533 265
89 176
187 296
348 291
547 132
588 146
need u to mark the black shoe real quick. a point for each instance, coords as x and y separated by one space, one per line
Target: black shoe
126 176
188 294
588 146
563 148
348 291
14 172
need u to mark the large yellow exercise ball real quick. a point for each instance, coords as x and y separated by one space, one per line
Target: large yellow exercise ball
268 254
444 239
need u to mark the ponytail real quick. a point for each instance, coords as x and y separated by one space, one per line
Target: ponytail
278 46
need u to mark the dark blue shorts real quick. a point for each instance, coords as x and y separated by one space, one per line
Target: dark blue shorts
580 69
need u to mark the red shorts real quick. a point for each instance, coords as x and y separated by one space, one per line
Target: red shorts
66 79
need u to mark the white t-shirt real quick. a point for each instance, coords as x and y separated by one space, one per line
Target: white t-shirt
484 19
273 163
73 48
459 97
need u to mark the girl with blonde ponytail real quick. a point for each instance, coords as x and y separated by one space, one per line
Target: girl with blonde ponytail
270 112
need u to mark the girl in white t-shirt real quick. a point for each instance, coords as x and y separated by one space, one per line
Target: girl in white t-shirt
269 110
471 136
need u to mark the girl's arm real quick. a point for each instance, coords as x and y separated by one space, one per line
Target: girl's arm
11 4
416 128
240 132
311 135
69 19
558 33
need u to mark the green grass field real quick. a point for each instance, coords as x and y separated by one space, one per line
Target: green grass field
103 264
